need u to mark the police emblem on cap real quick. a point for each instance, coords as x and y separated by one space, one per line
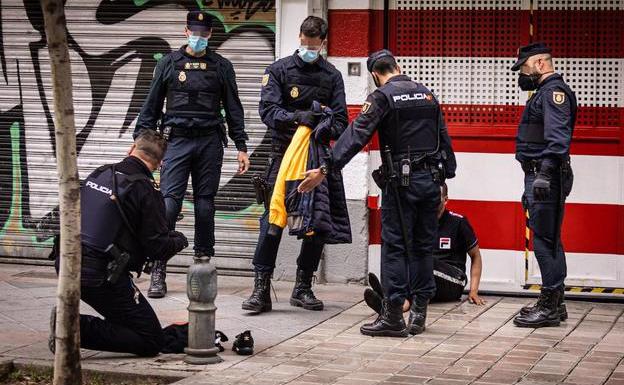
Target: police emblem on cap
202 66
187 66
182 76
200 17
265 80
558 97
365 107
294 92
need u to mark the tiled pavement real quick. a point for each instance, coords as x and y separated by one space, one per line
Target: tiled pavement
464 344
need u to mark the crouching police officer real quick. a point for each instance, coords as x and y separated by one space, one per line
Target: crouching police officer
543 150
196 82
416 153
289 86
123 223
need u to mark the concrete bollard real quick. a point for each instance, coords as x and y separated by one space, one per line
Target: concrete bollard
201 288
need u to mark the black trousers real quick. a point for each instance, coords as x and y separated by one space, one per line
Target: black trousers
268 244
404 276
129 324
449 280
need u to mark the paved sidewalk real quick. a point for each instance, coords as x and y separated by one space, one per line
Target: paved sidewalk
464 344
27 294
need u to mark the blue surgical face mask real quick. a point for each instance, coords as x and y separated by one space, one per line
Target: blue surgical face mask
197 43
308 55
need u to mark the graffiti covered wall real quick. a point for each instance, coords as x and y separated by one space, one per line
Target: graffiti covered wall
114 47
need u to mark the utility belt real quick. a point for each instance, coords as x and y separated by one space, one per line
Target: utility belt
400 171
115 261
170 132
533 166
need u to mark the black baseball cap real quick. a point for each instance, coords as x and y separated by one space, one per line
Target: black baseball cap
373 57
198 21
527 51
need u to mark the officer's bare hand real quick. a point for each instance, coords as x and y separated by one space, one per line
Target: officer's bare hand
473 297
243 162
312 179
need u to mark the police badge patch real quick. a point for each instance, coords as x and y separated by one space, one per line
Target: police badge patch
294 92
265 80
558 97
182 76
365 107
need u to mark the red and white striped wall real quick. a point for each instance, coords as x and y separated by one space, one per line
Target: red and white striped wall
463 52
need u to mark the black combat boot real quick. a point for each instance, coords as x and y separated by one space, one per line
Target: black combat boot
302 294
561 308
390 322
418 315
260 299
158 286
545 312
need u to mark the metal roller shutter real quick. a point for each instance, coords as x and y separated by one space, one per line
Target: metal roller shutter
114 46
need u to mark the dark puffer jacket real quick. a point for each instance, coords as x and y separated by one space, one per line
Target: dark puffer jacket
329 217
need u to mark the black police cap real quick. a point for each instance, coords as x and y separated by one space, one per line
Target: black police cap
527 51
373 57
198 21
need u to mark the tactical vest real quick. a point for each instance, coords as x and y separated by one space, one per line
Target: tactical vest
531 128
101 221
302 87
411 125
194 90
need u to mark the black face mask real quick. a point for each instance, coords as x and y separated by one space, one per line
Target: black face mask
528 82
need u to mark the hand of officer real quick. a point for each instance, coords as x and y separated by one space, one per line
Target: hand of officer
312 179
243 162
307 118
541 187
180 240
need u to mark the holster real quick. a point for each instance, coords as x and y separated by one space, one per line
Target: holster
118 265
262 190
379 176
438 172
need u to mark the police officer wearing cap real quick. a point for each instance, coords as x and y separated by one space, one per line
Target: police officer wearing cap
289 86
196 82
416 152
543 150
123 224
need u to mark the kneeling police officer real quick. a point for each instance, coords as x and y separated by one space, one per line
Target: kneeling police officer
416 154
123 222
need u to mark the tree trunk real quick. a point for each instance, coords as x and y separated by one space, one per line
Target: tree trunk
67 357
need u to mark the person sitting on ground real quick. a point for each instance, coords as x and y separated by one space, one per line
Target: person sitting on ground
455 239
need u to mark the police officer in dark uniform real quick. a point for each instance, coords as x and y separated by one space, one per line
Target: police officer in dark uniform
416 145
123 223
543 150
289 86
196 82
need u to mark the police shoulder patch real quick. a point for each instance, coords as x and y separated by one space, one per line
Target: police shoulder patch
265 80
366 107
558 97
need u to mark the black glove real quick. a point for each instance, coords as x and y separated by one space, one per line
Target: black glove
541 187
307 118
541 184
179 240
